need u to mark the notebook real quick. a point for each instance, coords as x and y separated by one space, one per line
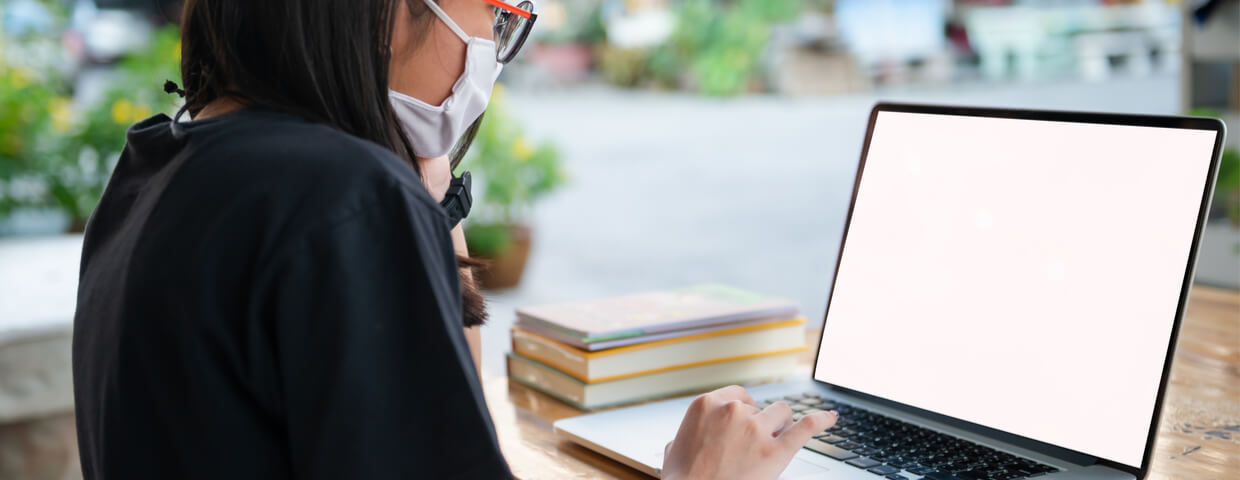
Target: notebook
731 343
624 320
588 396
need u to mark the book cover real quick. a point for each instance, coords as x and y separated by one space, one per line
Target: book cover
650 313
581 395
718 345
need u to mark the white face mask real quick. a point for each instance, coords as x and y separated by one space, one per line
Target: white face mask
434 130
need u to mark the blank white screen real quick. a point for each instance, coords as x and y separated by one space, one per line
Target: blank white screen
1019 274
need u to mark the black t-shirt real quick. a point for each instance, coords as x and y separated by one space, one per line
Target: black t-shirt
264 297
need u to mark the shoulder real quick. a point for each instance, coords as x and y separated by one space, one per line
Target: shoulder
308 151
286 179
319 166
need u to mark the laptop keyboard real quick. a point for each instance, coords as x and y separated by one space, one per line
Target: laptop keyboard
899 450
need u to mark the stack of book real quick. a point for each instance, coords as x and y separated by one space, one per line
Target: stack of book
618 350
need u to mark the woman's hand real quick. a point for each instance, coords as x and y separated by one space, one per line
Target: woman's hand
725 436
436 175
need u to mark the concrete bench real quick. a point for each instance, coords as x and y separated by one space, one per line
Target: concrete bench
38 291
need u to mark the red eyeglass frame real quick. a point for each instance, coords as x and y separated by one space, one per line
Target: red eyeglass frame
509 8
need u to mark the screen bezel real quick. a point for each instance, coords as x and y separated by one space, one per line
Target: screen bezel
1080 458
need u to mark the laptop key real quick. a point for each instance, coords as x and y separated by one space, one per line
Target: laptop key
919 470
896 476
830 450
874 437
883 470
829 438
864 462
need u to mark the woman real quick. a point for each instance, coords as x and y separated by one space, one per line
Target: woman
270 290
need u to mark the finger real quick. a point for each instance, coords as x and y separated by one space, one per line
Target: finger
775 417
808 426
739 409
733 392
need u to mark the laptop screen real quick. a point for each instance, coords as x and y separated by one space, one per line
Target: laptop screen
1023 275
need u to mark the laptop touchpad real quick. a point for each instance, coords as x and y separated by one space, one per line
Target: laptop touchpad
801 468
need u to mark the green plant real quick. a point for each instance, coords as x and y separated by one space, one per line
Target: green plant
26 106
624 67
1227 190
488 239
568 22
1227 187
715 47
512 172
55 153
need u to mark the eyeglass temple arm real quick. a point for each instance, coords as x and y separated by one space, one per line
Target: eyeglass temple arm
504 6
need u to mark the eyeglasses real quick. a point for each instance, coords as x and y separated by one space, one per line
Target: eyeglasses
513 24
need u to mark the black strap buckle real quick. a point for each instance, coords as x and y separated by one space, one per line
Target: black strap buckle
458 200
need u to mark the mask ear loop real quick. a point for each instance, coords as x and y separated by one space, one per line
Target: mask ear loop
447 20
178 131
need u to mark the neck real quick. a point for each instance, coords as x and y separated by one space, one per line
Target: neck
219 106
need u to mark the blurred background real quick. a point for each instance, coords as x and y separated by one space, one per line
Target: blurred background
634 145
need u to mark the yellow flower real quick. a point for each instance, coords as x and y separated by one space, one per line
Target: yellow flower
140 113
22 77
522 149
122 111
62 115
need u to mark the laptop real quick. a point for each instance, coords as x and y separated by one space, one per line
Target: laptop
1005 300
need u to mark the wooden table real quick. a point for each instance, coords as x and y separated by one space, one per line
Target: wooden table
1198 438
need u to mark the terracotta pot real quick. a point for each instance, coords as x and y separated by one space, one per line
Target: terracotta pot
505 269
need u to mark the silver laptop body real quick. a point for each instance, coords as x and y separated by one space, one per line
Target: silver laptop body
1010 282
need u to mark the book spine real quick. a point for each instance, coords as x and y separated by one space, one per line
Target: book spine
562 357
530 374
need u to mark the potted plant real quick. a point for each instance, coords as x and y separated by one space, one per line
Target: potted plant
512 173
57 154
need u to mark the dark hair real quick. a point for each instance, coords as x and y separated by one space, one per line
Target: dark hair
323 60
